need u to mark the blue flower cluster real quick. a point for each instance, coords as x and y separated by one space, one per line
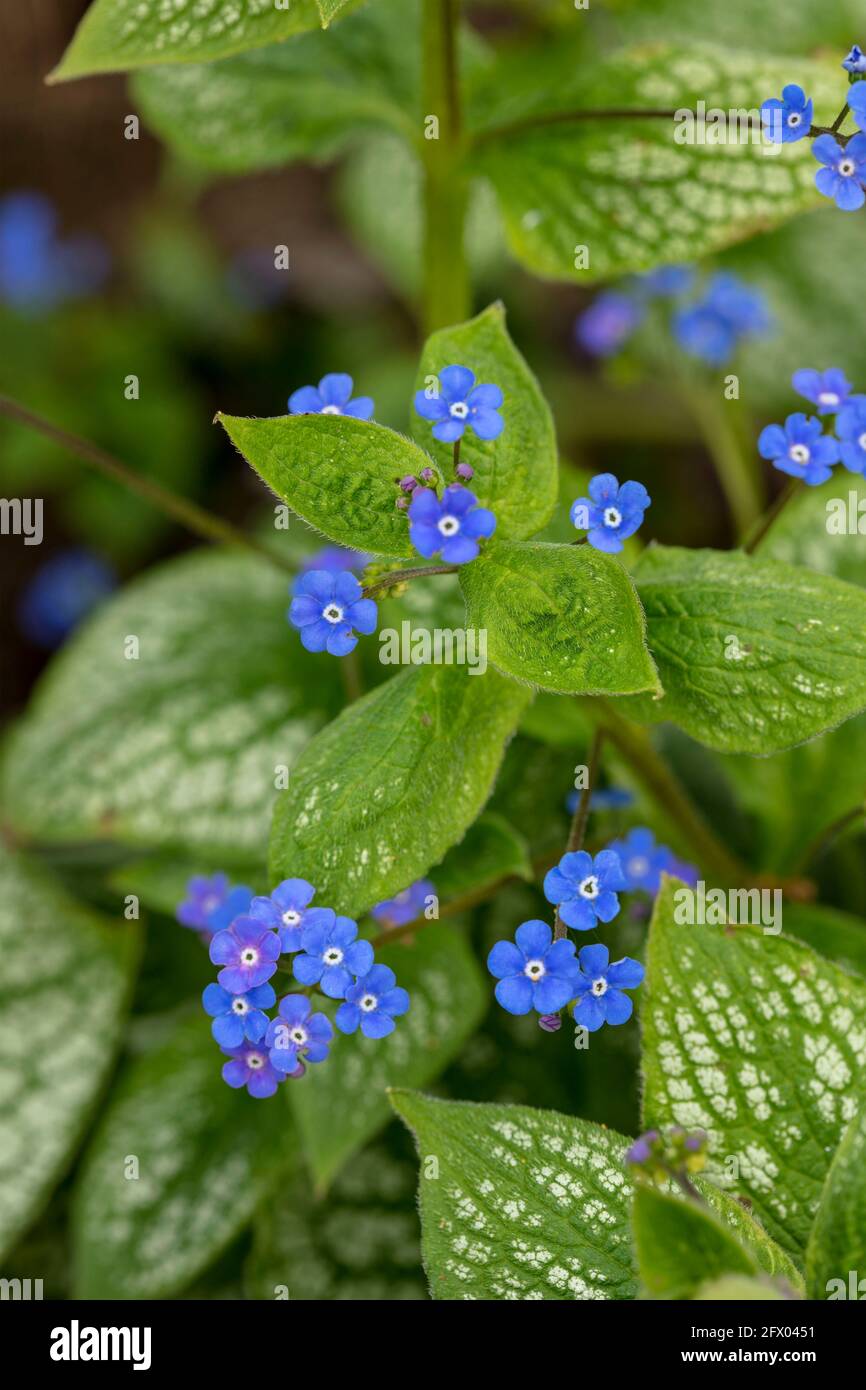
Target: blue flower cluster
247 936
800 447
842 176
611 513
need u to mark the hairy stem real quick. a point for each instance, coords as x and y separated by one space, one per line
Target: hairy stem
609 113
446 277
189 514
759 531
388 581
581 816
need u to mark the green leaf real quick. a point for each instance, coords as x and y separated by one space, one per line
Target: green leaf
562 617
360 1244
837 1244
839 936
519 1203
762 1250
754 656
67 974
421 750
177 748
338 473
307 99
738 1289
823 528
490 850
205 1156
626 189
342 1105
516 474
760 1042
680 1244
116 35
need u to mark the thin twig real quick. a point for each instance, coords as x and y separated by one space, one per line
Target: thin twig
581 816
388 581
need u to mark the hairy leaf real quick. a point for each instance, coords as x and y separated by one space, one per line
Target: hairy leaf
680 1244
824 528
837 1244
562 617
421 750
490 850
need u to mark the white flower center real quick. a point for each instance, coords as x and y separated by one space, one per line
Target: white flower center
846 168
612 517
255 1061
828 398
240 1006
798 453
331 410
638 866
448 525
291 918
368 1003
589 887
249 955
210 904
333 613
534 969
862 441
795 119
599 987
459 410
298 1035
333 955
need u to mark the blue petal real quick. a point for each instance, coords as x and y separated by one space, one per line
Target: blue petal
305 401
515 994
533 937
457 382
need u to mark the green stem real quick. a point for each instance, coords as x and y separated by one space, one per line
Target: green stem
759 531
739 480
581 816
446 277
189 514
388 581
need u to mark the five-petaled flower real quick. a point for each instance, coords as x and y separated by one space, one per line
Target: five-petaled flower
458 403
331 956
405 906
851 429
251 1067
453 525
789 119
584 889
844 171
600 997
642 860
248 952
287 911
373 1002
331 397
828 391
536 972
211 904
800 449
297 1035
328 609
611 513
238 1016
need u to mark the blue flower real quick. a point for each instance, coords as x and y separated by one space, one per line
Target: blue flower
851 429
37 269
537 973
856 60
211 904
336 558
727 311
62 592
668 280
584 889
600 986
789 119
857 102
642 860
405 906
327 607
331 398
844 173
613 514
458 403
332 956
238 1016
248 951
800 449
251 1067
373 1001
297 1035
608 323
679 868
453 525
287 911
605 799
829 390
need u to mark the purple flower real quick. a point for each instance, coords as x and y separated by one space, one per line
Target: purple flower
453 526
668 280
332 956
584 889
844 171
789 119
829 390
331 398
327 607
406 906
600 997
641 859
297 1033
608 323
613 514
800 449
248 952
851 429
642 1147
458 403
251 1067
679 868
727 311
373 1001
287 912
238 1016
211 904
536 973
